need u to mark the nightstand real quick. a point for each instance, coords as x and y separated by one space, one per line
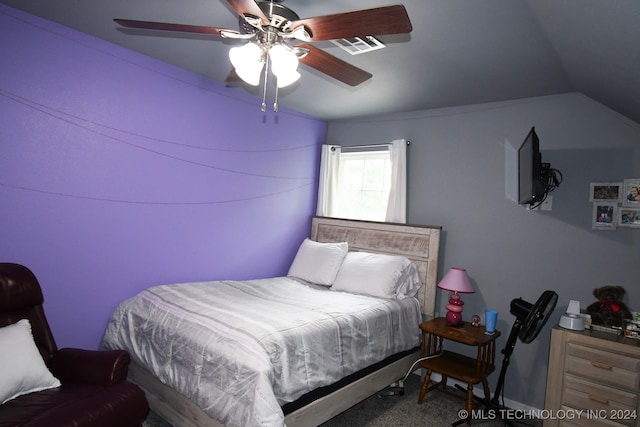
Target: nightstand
449 364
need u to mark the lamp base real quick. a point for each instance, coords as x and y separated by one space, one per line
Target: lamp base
454 311
454 318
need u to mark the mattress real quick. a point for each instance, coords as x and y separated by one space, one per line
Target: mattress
241 350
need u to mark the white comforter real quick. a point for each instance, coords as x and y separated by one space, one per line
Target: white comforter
241 349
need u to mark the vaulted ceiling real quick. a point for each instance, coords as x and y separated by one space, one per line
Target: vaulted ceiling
459 52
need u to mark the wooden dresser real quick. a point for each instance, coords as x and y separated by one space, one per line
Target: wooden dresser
593 379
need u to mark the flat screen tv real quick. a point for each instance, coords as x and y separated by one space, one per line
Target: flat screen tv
531 188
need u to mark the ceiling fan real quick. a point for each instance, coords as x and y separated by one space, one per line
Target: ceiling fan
275 37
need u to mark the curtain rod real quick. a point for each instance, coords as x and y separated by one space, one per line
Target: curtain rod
366 146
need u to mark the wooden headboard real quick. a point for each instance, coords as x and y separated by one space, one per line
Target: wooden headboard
421 244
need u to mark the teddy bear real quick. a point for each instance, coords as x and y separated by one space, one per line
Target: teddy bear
609 310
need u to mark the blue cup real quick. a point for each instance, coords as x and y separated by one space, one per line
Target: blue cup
490 319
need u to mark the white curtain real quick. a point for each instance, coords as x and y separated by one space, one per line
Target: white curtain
327 186
397 206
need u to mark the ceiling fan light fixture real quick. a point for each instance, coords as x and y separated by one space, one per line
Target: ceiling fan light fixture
286 79
284 65
248 61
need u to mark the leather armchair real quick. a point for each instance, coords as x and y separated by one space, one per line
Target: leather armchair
94 389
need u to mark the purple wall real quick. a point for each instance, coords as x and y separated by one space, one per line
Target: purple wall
119 172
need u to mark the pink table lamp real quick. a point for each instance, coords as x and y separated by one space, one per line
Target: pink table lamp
456 281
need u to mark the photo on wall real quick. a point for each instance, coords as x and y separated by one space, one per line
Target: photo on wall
629 217
604 215
605 192
631 192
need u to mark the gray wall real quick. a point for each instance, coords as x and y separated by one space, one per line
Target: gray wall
461 176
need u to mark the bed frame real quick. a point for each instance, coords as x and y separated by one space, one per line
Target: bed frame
421 244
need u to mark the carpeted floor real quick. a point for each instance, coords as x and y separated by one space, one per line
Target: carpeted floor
437 410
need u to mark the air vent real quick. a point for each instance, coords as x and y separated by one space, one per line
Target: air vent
358 45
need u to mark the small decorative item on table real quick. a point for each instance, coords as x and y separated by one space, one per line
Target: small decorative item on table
475 321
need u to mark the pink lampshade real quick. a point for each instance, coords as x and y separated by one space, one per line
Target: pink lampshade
457 280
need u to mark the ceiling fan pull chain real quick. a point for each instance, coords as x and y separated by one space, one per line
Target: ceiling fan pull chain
264 89
275 102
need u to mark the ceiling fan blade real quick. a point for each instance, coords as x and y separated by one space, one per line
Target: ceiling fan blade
369 22
249 7
333 66
166 26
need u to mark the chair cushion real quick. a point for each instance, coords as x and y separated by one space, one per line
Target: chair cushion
123 404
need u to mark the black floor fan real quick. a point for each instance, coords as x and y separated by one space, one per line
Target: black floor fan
530 319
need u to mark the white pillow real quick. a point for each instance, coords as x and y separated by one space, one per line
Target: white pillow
21 366
378 275
409 282
318 262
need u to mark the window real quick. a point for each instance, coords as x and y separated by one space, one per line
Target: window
364 182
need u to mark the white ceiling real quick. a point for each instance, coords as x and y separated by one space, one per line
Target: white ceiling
460 52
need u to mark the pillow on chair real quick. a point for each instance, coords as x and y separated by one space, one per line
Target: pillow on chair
21 366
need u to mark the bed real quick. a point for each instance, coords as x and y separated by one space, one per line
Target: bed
319 380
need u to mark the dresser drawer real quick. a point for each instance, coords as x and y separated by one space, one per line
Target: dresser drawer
611 368
585 421
601 401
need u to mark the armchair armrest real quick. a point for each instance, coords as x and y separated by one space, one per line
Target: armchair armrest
72 365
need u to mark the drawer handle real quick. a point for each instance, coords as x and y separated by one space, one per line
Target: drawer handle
601 365
598 399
